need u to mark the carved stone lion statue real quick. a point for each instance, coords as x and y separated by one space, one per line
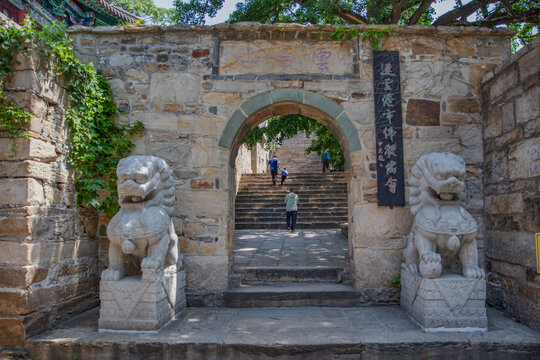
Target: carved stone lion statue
443 233
143 226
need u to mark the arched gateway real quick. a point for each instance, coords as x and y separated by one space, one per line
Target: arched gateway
200 90
290 101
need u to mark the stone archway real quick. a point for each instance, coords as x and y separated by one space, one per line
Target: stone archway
286 101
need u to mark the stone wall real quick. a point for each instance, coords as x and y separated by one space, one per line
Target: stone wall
48 250
200 90
512 192
292 155
242 164
250 162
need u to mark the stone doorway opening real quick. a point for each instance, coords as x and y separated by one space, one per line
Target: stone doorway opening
272 266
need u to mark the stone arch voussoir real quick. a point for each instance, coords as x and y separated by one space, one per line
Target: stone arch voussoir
283 99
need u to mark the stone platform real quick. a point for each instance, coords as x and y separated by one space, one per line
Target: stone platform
384 332
130 304
451 302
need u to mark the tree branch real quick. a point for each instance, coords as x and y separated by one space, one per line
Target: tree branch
530 16
418 13
461 12
350 17
396 10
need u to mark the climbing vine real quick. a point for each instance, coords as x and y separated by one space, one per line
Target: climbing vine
97 142
377 35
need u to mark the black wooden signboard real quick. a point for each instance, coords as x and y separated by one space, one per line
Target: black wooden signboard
388 129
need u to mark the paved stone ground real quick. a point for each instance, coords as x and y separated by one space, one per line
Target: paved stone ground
304 248
383 332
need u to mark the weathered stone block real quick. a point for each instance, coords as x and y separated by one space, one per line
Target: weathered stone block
528 105
208 272
528 64
449 303
423 112
12 331
524 159
502 83
224 98
375 221
201 184
383 265
34 254
23 277
202 203
462 46
21 192
464 104
505 203
27 149
510 246
129 304
174 88
120 60
425 45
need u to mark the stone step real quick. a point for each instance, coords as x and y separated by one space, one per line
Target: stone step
245 219
335 174
292 294
254 190
308 202
300 185
365 332
295 182
281 198
303 195
274 212
255 275
283 225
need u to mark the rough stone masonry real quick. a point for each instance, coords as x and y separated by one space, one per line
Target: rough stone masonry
199 90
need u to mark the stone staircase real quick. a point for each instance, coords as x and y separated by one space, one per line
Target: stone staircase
292 155
291 286
322 201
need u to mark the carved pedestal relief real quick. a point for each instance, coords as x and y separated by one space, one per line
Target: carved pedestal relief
144 286
442 285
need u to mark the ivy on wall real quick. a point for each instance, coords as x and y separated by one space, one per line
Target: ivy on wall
97 143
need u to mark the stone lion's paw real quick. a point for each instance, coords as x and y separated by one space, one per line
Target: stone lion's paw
413 268
473 272
431 257
151 263
111 275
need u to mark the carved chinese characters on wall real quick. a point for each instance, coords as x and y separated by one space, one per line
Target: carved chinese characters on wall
388 129
290 57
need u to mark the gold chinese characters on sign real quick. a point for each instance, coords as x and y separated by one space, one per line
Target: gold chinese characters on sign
286 57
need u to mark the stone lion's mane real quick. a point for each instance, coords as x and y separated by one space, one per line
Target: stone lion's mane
167 186
419 196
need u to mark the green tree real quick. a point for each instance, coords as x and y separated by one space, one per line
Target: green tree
283 127
522 15
146 10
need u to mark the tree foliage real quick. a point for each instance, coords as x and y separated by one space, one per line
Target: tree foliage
194 12
147 10
280 128
97 143
522 15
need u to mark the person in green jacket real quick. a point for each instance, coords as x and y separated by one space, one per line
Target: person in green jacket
291 204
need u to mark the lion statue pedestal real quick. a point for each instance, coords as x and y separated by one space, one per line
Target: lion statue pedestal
144 285
442 286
